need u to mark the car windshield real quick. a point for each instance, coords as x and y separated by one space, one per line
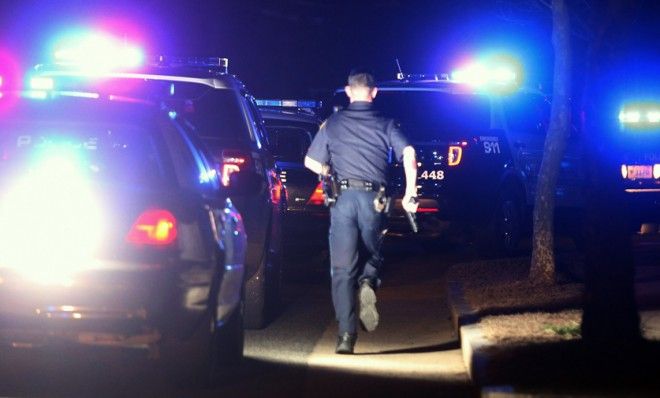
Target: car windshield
214 113
106 144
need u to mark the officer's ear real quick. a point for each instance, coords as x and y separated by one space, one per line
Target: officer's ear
348 91
374 91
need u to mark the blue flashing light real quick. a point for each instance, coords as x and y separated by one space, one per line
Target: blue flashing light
42 83
97 53
172 114
480 74
36 94
207 175
288 103
79 94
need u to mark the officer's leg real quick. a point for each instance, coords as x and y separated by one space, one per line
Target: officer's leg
371 230
343 261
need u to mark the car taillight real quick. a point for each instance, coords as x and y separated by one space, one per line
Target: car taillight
231 162
154 227
276 188
317 196
455 155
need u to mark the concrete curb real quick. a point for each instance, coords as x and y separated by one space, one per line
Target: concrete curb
464 319
461 311
472 345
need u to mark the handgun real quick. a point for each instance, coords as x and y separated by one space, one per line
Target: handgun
412 218
330 189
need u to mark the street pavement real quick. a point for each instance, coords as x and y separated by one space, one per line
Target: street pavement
413 351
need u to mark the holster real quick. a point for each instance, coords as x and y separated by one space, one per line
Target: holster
382 201
331 189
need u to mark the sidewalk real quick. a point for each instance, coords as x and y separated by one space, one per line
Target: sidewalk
555 356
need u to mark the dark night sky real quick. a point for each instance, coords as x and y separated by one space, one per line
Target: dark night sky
299 47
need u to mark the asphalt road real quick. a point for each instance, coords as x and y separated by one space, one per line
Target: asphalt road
414 350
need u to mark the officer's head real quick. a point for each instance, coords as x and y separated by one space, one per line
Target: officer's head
361 86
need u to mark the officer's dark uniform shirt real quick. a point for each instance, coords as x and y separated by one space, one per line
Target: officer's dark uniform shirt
357 141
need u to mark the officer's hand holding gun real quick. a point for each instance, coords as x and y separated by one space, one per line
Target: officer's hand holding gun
409 201
410 205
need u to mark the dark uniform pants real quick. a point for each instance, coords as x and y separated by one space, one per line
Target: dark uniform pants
351 218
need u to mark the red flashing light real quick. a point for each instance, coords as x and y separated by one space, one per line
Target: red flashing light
276 188
154 227
427 210
317 197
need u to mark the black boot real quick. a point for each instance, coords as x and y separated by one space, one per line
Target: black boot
345 343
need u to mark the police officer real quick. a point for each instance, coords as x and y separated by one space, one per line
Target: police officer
354 144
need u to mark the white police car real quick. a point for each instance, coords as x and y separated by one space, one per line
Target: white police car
218 107
639 123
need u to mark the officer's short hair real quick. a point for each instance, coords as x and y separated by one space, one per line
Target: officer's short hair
360 77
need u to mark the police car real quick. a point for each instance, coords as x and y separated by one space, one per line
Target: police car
115 231
291 126
479 146
639 149
218 107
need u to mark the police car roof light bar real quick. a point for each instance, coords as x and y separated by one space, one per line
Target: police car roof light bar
282 103
218 64
422 77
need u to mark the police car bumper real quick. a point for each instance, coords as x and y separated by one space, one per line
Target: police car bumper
432 219
123 305
644 205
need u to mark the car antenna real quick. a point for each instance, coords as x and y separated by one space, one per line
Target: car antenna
399 75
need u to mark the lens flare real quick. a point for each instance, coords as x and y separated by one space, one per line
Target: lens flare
97 53
50 220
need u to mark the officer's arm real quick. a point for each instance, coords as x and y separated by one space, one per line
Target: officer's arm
410 169
316 167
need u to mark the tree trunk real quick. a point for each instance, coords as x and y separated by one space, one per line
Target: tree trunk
610 311
543 258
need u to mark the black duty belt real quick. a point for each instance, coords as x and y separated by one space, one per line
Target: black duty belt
359 184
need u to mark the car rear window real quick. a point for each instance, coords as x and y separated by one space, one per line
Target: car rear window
107 145
434 115
215 115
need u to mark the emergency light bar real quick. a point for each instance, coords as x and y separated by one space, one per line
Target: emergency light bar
98 52
640 116
220 65
478 74
288 103
422 77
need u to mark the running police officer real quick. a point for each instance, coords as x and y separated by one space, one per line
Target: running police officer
354 144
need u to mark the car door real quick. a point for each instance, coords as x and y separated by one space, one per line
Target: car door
220 223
